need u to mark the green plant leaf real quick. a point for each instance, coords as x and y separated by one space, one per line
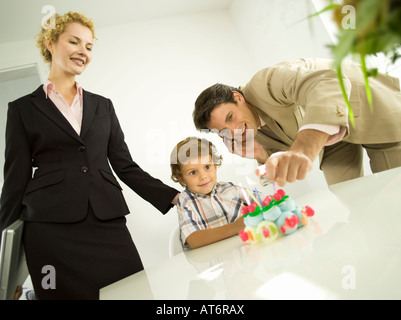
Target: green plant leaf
346 40
372 72
378 29
331 6
344 93
367 87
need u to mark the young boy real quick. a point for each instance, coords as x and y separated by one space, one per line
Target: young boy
208 211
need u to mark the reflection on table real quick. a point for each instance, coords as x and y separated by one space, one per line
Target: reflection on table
350 250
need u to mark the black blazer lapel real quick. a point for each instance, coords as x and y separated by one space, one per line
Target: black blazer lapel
90 106
47 107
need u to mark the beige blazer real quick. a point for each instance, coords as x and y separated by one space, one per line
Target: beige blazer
306 91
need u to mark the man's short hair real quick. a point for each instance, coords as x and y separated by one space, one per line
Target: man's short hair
208 100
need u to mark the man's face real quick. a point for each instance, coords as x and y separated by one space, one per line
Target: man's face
234 121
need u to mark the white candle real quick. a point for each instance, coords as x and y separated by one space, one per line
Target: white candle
245 195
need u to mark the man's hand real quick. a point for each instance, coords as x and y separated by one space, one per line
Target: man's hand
289 166
292 165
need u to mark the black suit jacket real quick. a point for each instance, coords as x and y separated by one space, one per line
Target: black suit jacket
72 170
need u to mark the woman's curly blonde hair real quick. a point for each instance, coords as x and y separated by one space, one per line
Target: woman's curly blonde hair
53 32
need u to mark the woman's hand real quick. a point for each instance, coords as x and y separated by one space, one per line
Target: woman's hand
174 202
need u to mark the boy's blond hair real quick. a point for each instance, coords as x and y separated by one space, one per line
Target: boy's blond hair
189 149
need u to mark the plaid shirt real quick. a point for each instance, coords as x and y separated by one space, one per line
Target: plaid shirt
199 211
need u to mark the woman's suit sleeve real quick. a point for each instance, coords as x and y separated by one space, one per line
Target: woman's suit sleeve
17 168
147 187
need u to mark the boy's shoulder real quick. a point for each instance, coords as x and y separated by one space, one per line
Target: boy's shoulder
185 197
223 186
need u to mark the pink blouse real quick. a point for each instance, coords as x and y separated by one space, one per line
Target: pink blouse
72 113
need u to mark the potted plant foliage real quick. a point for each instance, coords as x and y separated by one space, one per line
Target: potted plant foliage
377 28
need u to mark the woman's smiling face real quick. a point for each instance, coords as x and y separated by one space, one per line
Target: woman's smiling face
72 52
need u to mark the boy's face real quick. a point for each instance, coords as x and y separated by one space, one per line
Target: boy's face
199 175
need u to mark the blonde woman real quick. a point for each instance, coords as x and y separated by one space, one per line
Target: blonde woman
73 206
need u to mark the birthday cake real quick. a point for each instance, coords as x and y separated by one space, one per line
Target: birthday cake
276 215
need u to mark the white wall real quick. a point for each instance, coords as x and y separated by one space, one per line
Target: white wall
276 30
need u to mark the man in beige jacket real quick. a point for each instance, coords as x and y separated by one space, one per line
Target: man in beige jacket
294 111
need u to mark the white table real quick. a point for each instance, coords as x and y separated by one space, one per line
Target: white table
351 250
